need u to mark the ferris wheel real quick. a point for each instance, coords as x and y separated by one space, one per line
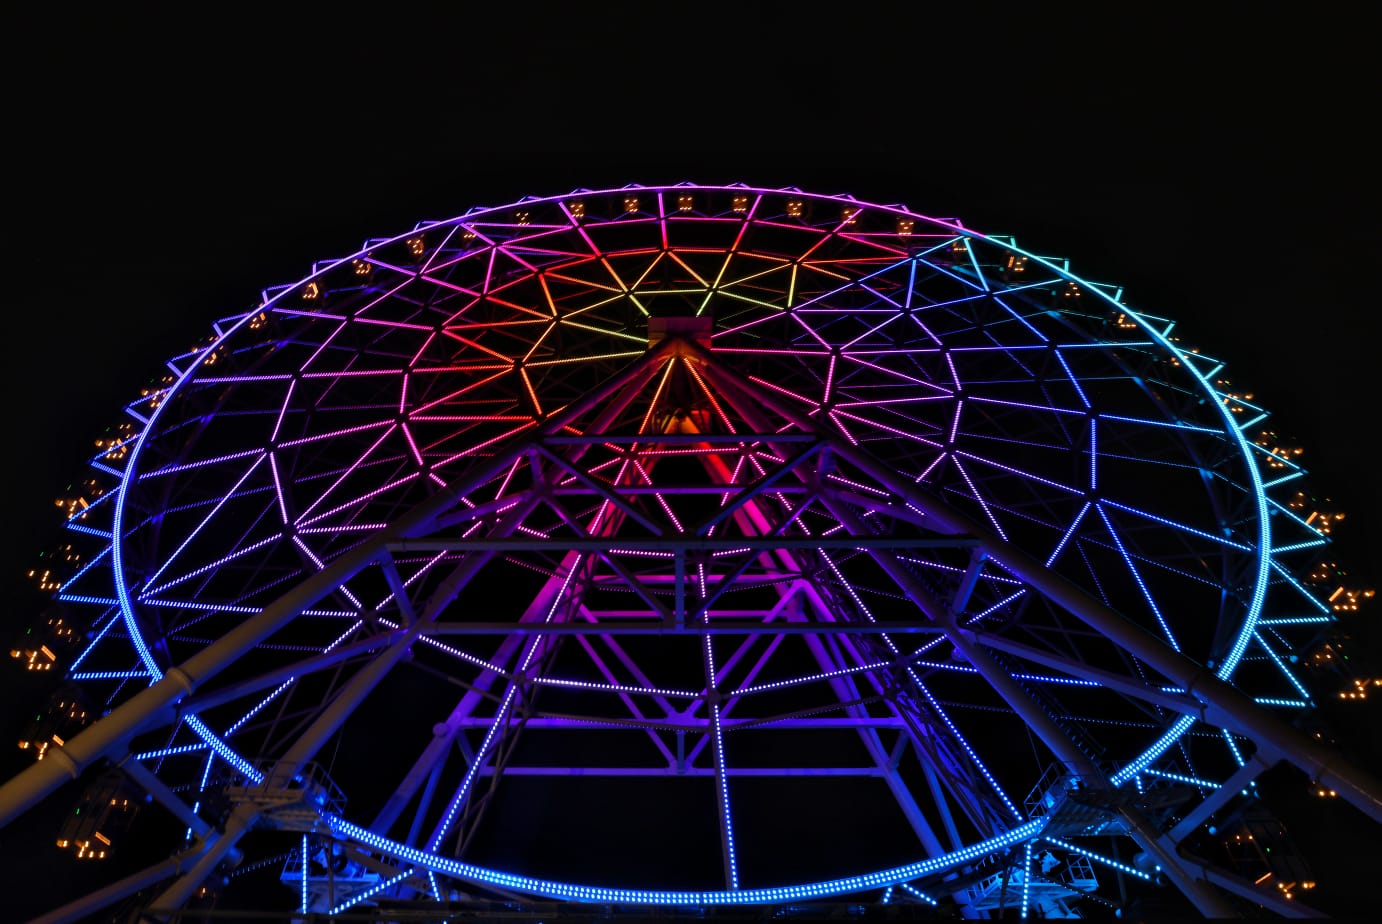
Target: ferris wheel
692 545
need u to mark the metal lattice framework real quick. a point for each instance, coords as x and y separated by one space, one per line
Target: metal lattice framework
692 545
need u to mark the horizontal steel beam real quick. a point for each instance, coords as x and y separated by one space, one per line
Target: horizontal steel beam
669 628
679 542
677 490
679 439
793 772
699 727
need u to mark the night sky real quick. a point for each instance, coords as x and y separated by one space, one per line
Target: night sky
162 170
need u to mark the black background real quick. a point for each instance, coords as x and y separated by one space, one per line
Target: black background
166 164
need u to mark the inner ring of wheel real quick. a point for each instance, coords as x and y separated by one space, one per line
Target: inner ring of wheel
850 214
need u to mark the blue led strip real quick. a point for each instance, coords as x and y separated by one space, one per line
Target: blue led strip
731 863
1177 525
1246 450
1137 576
922 895
196 806
1122 867
1281 666
1026 877
1297 546
1182 778
303 885
1159 747
469 872
371 891
1290 579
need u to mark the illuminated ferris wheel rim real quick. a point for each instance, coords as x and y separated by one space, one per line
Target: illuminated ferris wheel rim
1224 670
1263 550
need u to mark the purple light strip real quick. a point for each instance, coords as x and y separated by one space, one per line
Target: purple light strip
1045 408
206 520
306 515
892 316
508 434
332 434
809 678
342 589
1079 389
955 423
941 390
278 488
189 466
886 429
615 687
150 591
840 425
1017 471
336 530
954 375
1070 531
291 680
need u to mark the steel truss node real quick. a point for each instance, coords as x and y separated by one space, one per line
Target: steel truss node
699 546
